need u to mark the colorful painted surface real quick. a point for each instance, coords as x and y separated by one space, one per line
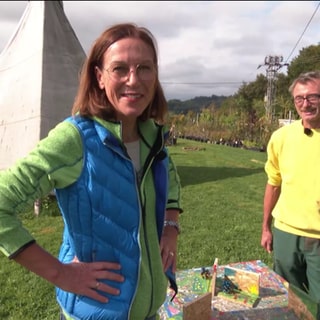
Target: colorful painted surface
273 303
246 281
240 286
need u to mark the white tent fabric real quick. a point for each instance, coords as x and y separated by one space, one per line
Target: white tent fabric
39 72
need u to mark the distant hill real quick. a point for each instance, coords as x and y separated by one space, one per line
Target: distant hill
194 104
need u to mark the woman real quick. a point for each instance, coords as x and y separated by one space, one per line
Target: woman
117 188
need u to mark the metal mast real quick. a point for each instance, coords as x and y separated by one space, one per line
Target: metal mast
273 64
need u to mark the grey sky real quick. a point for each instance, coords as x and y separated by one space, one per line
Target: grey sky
205 47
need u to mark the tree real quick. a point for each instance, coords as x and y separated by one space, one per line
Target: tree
243 115
307 60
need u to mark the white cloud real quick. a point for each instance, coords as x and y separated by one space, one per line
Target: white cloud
205 47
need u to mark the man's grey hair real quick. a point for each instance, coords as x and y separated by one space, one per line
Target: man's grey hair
304 78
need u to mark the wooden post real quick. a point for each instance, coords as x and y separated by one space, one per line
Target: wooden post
37 207
299 301
198 309
214 277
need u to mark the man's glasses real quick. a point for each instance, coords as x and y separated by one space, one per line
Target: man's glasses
311 98
121 71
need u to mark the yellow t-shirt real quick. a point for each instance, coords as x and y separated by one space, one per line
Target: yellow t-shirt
294 164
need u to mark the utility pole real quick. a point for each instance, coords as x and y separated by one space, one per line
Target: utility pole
273 64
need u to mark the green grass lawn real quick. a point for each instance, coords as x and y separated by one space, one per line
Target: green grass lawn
222 198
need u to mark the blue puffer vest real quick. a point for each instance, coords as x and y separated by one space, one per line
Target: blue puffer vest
101 205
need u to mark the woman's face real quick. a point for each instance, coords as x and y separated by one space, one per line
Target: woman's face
128 77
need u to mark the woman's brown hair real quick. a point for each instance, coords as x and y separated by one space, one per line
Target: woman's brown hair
91 100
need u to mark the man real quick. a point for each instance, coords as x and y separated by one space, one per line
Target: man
292 193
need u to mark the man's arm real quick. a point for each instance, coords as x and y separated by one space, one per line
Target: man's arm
271 197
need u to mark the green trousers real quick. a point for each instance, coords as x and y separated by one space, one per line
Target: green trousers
297 260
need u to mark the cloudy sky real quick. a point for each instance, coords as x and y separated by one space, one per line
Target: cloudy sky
205 47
